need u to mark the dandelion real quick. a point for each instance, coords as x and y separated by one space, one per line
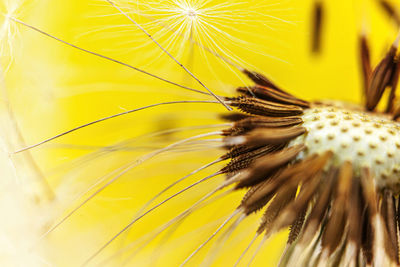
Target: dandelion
325 170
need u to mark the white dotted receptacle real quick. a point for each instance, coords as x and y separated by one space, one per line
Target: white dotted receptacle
365 139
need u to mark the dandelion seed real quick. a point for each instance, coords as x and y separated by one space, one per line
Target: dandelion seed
318 21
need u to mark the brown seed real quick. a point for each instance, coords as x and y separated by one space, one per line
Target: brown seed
234 116
296 227
337 221
271 94
268 122
321 206
257 106
390 10
393 85
388 212
355 212
283 197
318 18
369 191
260 79
244 160
381 77
267 165
365 62
268 136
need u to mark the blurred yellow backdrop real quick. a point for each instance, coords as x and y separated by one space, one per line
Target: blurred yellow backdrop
53 87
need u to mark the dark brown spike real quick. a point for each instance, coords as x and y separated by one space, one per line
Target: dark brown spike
296 227
365 62
338 256
335 228
367 237
237 165
269 122
271 94
318 19
396 112
261 107
393 86
237 150
355 213
251 191
234 131
388 211
283 197
267 165
260 79
321 206
302 201
390 10
267 136
244 160
381 77
298 172
245 125
369 191
370 199
254 206
234 116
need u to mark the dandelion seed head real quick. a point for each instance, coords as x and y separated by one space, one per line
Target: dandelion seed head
365 139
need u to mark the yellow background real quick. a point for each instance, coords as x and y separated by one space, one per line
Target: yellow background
53 88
